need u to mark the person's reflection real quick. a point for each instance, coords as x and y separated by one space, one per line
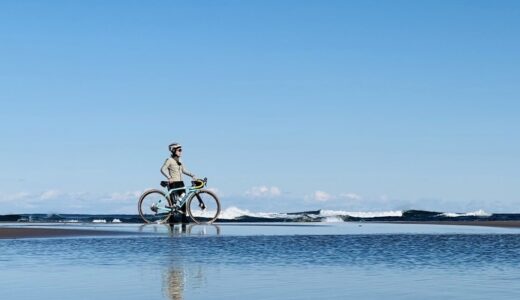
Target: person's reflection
182 229
175 230
174 283
176 278
193 229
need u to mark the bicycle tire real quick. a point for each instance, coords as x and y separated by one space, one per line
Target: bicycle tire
145 205
211 211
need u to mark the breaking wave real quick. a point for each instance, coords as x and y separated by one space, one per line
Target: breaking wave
478 213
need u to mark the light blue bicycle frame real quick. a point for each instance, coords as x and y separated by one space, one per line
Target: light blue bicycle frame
174 199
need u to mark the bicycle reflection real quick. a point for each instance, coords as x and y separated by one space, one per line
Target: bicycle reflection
182 229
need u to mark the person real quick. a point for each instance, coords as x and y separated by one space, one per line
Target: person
173 169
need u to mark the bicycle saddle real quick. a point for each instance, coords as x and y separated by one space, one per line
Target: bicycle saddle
164 183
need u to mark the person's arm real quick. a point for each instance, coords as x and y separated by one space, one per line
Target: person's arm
164 169
184 171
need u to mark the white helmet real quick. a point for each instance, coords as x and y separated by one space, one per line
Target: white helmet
174 146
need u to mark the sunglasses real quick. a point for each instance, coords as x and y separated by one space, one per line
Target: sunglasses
180 150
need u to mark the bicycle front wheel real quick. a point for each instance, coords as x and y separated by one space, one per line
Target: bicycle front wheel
203 207
154 206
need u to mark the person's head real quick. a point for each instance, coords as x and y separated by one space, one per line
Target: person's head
175 149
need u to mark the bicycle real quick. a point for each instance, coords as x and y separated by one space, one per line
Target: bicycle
181 230
203 206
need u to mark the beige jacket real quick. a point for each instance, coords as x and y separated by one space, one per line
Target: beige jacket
173 171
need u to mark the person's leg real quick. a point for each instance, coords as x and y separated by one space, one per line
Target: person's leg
178 194
184 217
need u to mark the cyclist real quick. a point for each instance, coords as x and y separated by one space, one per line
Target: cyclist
173 170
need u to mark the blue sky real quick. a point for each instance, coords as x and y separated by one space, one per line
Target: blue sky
283 105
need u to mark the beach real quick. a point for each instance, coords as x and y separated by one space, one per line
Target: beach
31 232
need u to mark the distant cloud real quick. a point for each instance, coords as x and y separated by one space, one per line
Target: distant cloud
215 190
263 191
351 196
320 196
50 194
19 196
124 196
336 201
125 202
56 201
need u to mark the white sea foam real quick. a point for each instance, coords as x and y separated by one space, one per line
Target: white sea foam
327 215
204 214
99 221
235 212
333 219
478 213
361 214
330 215
116 221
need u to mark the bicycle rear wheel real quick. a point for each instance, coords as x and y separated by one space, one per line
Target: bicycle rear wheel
154 207
203 207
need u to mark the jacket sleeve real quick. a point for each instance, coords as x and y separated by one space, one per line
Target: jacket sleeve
164 169
184 171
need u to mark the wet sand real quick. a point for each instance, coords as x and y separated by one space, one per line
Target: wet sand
17 233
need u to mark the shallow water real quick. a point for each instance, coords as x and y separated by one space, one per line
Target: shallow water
333 261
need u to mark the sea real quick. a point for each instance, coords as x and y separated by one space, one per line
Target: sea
307 255
237 215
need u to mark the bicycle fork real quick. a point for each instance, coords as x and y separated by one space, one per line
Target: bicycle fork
201 203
